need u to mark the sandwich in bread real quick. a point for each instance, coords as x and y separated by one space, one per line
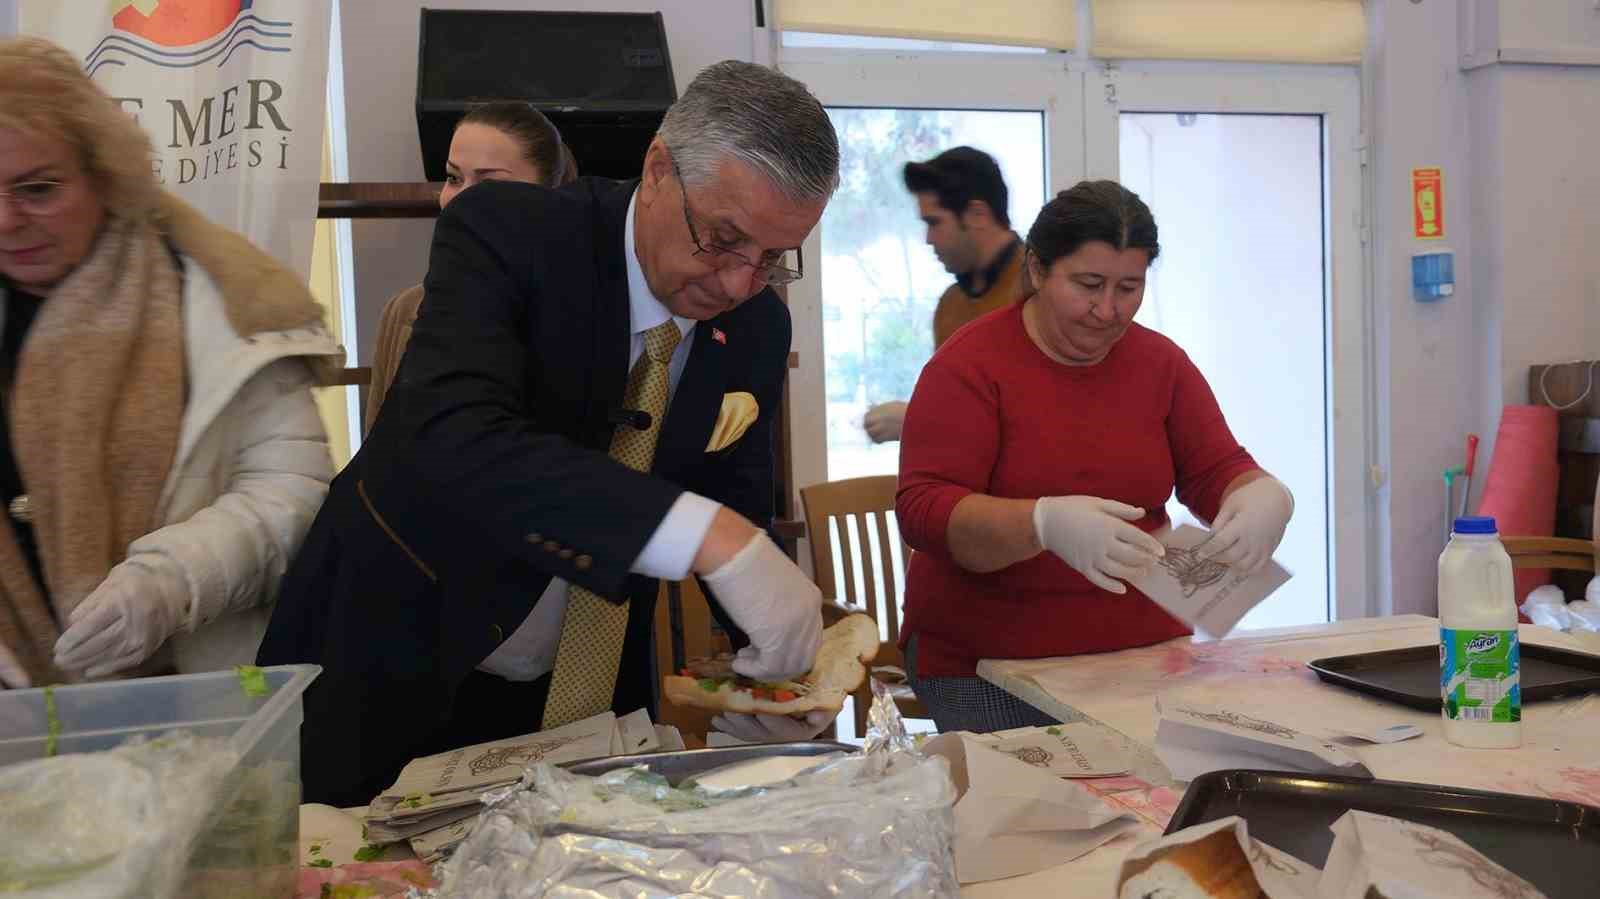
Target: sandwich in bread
841 667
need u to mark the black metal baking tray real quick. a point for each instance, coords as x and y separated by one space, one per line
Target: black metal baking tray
1410 676
1552 844
675 766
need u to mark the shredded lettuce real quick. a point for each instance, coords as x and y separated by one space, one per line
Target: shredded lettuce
252 680
369 853
52 722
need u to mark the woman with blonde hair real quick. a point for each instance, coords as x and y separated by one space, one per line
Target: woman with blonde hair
501 140
162 456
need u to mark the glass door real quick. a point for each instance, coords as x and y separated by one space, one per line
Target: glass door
880 280
1254 174
863 325
1251 175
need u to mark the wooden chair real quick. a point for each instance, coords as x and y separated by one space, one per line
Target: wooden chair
869 502
1560 553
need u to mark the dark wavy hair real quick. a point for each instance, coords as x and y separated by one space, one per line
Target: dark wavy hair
1090 211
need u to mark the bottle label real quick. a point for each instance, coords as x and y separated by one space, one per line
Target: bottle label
1480 674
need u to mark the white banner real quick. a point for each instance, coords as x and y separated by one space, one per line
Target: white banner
232 93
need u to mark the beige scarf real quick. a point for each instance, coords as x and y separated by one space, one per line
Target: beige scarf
98 403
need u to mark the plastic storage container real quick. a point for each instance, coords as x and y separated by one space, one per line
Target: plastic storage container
250 844
1479 656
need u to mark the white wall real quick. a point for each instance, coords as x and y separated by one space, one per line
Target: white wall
380 64
1518 144
1427 360
1542 211
8 17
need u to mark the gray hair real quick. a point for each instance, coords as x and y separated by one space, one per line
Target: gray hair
757 116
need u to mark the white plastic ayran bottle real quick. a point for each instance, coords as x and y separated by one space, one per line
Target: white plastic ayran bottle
1480 660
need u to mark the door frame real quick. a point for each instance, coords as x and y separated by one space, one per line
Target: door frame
1334 93
1048 83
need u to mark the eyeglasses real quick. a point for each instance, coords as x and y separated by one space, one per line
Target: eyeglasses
36 198
770 268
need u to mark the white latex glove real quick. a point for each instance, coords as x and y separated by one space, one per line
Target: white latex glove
124 621
12 675
773 728
1094 536
884 421
775 604
1250 524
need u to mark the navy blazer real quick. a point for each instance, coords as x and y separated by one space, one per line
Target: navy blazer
486 475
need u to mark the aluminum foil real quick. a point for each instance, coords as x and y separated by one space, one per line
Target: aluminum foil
874 825
886 730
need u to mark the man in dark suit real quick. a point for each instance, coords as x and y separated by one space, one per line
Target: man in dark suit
562 432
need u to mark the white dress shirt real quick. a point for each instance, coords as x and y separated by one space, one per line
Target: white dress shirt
530 652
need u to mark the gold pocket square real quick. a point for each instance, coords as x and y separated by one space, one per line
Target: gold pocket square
739 412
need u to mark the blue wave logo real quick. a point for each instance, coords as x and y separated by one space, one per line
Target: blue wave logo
182 34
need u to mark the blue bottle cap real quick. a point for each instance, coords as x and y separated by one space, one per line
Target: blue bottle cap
1475 524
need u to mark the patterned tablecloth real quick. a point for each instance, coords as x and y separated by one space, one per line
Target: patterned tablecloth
1264 672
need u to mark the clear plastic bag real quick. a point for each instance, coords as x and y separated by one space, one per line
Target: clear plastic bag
876 825
1547 607
1585 615
117 823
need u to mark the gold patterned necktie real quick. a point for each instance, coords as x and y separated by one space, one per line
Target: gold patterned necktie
590 650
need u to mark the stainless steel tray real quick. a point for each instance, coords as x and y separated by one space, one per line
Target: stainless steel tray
675 766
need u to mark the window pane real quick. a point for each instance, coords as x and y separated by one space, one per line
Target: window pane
880 280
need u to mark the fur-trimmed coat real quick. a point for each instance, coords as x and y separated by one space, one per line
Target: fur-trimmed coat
251 466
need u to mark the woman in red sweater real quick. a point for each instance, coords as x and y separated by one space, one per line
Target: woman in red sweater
1039 450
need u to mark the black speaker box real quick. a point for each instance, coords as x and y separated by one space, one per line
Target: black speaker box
604 79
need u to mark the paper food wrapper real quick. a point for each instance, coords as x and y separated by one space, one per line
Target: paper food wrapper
1218 858
1194 739
381 832
1013 818
436 801
1372 855
432 846
1201 591
456 778
1404 860
1066 750
668 738
636 733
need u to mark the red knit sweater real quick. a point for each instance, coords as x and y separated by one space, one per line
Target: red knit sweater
993 415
